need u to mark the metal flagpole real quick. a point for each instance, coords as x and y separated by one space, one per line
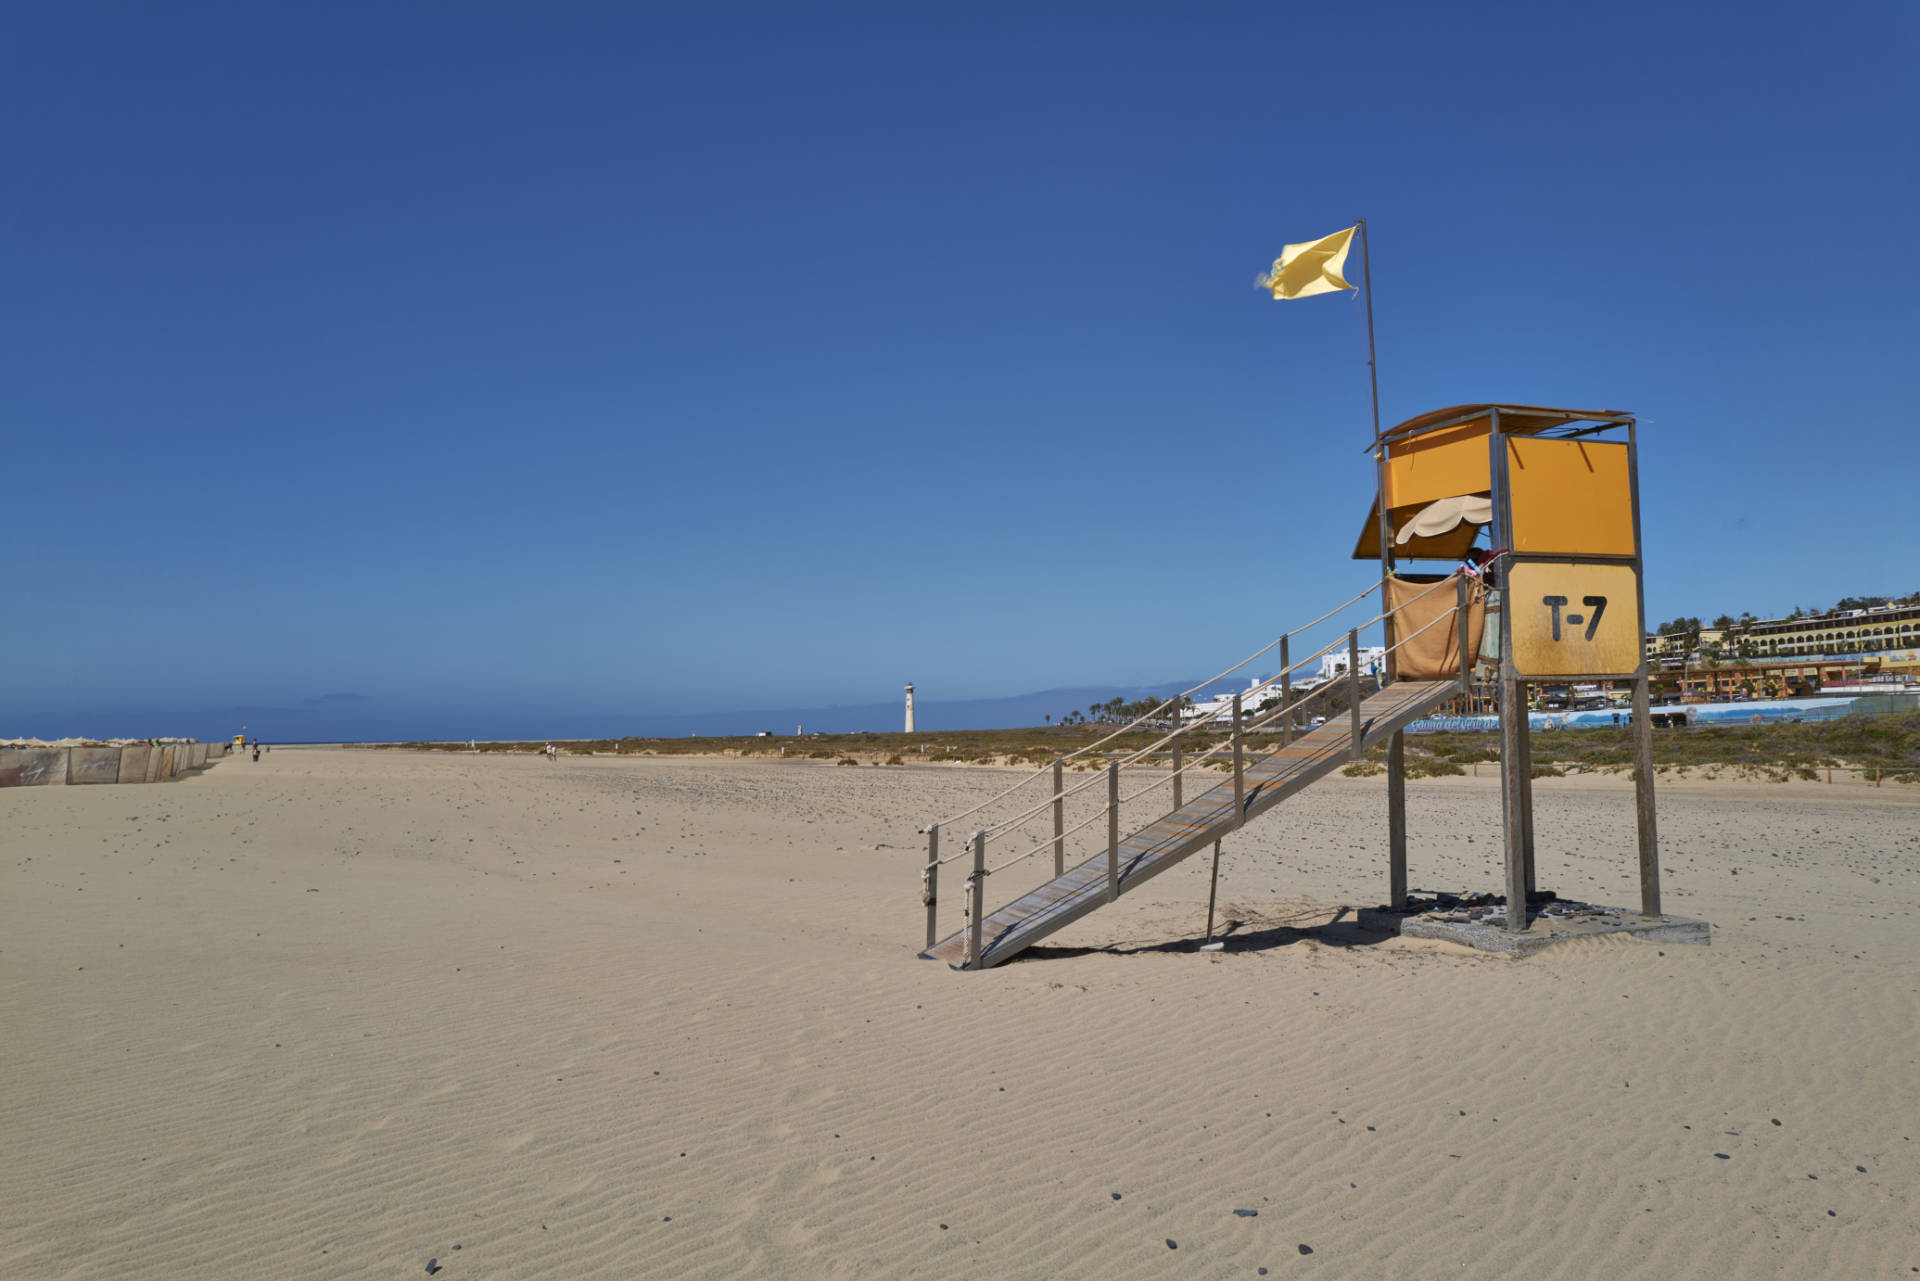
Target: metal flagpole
1373 373
1397 744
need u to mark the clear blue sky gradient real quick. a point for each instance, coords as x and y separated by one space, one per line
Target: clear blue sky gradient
436 366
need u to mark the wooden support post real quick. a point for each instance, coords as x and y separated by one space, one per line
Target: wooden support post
1353 686
1178 778
1213 890
1059 819
1643 797
1239 767
931 890
1113 830
1513 720
1526 785
977 900
1286 695
1397 819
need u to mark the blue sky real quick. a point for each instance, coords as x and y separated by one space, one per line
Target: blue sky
436 367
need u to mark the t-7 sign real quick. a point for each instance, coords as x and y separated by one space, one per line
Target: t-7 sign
1580 619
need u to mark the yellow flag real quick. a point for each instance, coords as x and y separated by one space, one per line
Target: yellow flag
1313 268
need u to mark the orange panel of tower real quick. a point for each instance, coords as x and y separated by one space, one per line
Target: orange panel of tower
1441 464
1569 497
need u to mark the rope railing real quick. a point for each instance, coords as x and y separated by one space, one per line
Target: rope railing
1235 741
1247 728
1163 706
1007 825
1048 843
1308 697
1266 719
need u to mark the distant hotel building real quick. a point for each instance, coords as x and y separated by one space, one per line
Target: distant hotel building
1779 657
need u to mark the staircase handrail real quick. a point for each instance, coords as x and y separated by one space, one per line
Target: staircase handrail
1007 825
1271 716
1236 741
1169 702
1260 722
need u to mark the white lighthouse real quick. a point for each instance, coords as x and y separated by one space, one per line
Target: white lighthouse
909 709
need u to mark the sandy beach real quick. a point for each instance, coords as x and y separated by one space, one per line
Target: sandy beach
343 1013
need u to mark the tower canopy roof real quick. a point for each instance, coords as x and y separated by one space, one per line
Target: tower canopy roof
1515 420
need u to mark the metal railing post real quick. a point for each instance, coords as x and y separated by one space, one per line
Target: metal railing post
1466 670
1059 820
1239 767
1113 830
1178 779
1286 695
977 899
1353 685
930 884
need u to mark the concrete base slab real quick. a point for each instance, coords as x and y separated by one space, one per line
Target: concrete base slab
1480 922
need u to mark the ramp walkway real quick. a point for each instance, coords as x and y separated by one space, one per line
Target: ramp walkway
1259 783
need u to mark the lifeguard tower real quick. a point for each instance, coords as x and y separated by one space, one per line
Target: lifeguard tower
1555 491
1558 490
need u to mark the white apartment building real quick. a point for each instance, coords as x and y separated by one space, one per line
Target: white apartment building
1373 662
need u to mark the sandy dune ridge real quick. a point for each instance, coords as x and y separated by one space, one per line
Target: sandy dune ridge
335 1014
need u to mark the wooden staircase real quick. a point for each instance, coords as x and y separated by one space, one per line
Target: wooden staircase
1268 780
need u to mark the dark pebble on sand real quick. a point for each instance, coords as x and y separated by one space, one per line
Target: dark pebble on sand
1172 1244
1861 1168
1248 1214
1776 1120
1306 1249
1261 1271
943 1227
1723 1156
1116 1196
433 1266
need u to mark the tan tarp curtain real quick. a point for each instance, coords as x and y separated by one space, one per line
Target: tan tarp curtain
1434 654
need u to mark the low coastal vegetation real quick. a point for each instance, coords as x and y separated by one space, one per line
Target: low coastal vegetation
1886 746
